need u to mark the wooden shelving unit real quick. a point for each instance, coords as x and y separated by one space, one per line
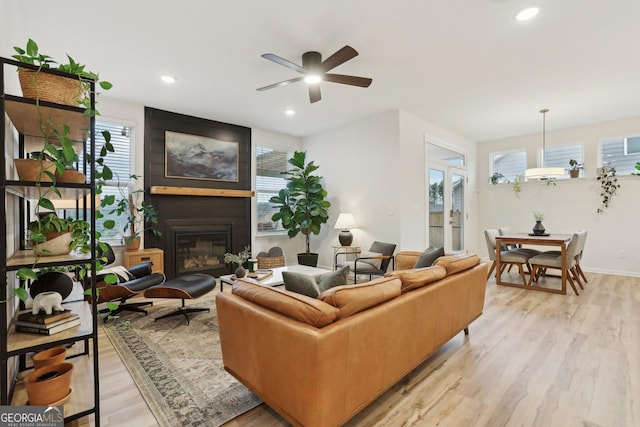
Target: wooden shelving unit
26 117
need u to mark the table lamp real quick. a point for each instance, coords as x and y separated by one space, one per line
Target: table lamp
345 222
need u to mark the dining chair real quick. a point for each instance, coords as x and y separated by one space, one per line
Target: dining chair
579 250
508 257
552 259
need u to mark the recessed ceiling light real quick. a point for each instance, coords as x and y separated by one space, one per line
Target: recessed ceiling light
168 79
528 13
312 79
290 112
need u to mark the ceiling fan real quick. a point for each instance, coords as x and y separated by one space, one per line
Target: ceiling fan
316 70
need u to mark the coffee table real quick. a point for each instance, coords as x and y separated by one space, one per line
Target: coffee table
276 279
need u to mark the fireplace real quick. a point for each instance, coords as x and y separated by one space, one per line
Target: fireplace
197 227
197 246
201 249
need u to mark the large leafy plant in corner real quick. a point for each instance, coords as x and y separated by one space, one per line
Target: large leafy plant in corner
302 205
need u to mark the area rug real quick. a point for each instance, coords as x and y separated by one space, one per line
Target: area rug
178 367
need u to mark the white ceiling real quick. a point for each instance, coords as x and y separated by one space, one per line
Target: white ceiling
465 65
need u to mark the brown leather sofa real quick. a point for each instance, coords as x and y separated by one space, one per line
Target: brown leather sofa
318 362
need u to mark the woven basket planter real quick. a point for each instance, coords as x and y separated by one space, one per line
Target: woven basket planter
270 262
70 177
50 87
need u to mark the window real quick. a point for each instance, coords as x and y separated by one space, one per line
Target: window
510 164
121 164
269 180
559 156
621 153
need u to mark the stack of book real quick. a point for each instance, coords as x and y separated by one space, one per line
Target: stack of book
45 324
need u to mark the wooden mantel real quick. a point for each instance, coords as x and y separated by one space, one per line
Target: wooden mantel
192 191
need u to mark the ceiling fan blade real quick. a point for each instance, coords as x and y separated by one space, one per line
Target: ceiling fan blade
340 57
314 93
282 61
286 82
348 80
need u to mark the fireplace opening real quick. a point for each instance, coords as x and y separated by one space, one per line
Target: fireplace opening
201 249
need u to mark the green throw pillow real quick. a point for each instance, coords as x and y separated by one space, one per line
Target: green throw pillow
335 278
312 286
428 257
300 283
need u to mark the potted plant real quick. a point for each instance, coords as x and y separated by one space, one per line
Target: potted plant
574 168
608 185
141 216
64 90
238 259
52 235
302 205
497 178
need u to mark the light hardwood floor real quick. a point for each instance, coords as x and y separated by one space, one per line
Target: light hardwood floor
531 359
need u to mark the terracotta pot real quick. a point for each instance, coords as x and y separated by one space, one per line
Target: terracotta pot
49 384
131 243
56 246
50 356
71 177
28 169
574 173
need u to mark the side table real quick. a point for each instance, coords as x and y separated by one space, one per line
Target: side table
155 255
344 250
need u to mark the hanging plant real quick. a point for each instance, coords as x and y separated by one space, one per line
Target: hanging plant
608 184
516 186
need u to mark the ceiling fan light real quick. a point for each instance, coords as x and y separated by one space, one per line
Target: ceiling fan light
312 78
528 13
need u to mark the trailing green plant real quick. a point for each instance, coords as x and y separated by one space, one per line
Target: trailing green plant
141 216
516 186
302 205
637 167
608 185
58 148
497 178
31 55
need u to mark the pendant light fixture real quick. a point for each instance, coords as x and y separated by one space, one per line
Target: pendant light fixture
543 172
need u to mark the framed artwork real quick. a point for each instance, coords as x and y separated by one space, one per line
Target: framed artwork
200 157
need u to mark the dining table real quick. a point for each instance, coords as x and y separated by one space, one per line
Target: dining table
518 239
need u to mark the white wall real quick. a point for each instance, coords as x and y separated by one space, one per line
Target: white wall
570 205
359 163
375 169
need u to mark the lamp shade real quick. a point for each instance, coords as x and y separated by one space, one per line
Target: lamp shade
544 173
345 222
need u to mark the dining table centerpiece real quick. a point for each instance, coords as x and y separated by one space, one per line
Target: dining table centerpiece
538 228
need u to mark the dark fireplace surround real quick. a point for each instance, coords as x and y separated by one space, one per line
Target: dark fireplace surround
196 230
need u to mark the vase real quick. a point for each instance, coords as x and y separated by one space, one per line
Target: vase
538 229
240 272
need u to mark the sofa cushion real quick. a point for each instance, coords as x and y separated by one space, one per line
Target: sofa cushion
300 283
312 286
457 263
351 299
299 307
332 279
428 257
418 277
